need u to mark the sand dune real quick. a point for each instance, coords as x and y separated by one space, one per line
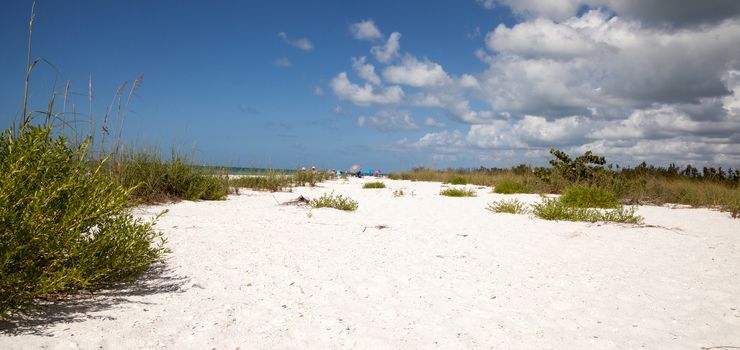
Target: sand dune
418 271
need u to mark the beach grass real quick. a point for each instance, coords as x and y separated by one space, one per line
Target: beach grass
644 184
457 192
376 184
581 196
334 201
511 187
510 206
555 209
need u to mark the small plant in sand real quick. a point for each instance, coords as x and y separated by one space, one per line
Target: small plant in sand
399 193
555 209
458 180
457 192
510 206
334 201
376 184
588 197
511 187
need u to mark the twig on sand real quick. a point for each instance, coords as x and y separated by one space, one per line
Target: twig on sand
379 227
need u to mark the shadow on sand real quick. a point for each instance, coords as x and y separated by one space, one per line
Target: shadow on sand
158 279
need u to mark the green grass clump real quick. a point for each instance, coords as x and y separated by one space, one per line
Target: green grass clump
555 209
64 223
457 192
588 197
511 187
154 180
458 180
334 201
513 206
272 181
377 184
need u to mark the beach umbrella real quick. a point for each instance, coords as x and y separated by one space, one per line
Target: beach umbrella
355 168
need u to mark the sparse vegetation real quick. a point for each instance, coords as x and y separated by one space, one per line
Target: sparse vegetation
644 184
275 181
399 193
581 196
153 180
377 184
458 180
334 201
511 187
458 192
555 209
510 206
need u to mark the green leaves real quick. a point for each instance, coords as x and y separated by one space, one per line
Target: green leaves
64 224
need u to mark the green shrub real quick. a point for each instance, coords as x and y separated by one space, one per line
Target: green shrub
373 185
555 209
64 223
458 180
588 197
457 192
513 206
334 201
511 187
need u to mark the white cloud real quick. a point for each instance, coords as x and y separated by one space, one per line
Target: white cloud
318 91
302 43
282 62
365 30
386 120
365 70
433 123
365 95
385 53
544 38
649 86
416 73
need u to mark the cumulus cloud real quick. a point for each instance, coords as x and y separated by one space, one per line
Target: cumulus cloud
433 123
302 43
365 70
665 13
416 73
366 94
365 30
617 77
386 120
387 52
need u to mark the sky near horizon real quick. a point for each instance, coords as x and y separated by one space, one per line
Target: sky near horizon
394 84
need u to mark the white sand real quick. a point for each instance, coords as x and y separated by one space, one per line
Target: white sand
249 273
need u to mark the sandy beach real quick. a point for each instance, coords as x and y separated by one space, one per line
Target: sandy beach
413 272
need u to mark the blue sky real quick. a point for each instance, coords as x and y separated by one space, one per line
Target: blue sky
394 84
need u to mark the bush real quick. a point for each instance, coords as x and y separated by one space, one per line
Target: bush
457 192
555 209
588 197
458 180
64 223
334 201
513 206
511 187
373 185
